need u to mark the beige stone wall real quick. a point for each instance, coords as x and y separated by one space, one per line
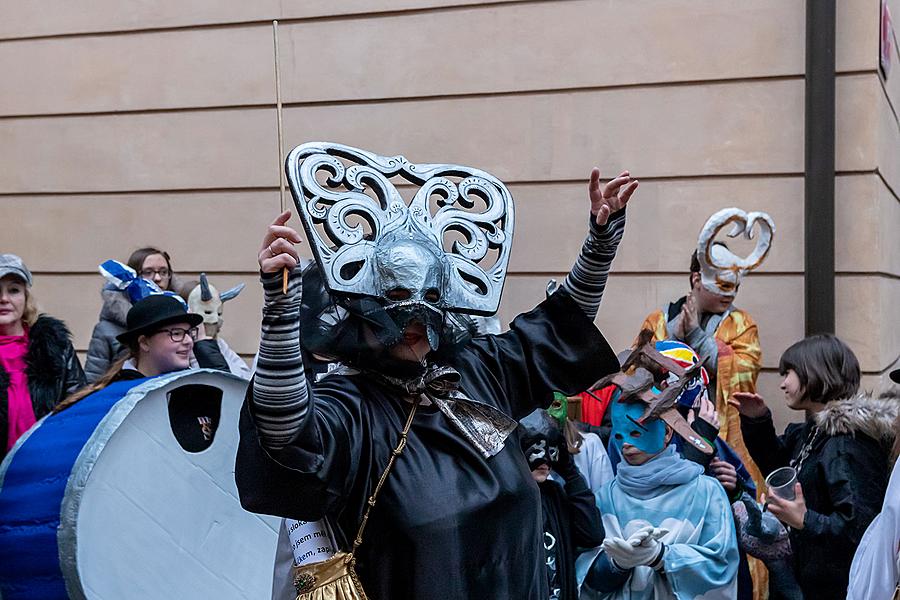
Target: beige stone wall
126 124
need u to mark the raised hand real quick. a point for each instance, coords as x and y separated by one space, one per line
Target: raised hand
749 404
277 251
610 197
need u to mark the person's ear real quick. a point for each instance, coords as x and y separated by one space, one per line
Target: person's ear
669 433
695 280
143 343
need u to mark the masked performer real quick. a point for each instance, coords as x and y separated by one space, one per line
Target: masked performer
669 528
586 447
725 337
417 421
569 511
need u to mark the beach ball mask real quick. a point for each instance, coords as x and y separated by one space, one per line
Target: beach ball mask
645 400
695 389
649 437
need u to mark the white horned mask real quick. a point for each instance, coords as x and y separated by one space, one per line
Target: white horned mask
205 300
722 271
446 250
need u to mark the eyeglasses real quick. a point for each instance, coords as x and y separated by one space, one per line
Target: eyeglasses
150 273
177 334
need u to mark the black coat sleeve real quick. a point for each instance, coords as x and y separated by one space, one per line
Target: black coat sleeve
209 355
587 525
312 475
768 450
551 348
74 374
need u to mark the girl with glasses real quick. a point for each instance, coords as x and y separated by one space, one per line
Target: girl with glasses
160 338
150 263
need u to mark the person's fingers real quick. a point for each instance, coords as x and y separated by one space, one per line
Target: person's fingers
282 246
798 492
620 545
611 189
280 231
625 195
283 218
733 403
776 501
277 263
602 215
747 397
594 183
279 221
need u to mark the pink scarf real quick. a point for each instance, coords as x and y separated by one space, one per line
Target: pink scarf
13 349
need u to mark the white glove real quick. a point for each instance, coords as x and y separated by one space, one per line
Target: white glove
641 548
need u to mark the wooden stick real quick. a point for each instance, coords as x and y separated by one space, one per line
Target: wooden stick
285 274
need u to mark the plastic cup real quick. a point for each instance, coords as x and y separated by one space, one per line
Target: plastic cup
781 482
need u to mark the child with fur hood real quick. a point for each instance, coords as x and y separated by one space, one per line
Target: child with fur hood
840 453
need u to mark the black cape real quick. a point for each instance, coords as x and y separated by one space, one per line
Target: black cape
448 524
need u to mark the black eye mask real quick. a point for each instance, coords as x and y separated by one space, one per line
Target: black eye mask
540 439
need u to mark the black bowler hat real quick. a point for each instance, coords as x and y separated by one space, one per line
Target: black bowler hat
154 312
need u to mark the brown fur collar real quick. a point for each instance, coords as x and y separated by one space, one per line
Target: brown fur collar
860 414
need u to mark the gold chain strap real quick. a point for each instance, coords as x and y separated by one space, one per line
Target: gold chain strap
394 454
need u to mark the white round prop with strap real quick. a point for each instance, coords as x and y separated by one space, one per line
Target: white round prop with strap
130 493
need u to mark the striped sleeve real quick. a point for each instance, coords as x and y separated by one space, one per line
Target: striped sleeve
587 279
280 392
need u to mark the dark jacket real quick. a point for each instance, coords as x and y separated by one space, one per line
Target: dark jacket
844 479
104 349
571 523
52 368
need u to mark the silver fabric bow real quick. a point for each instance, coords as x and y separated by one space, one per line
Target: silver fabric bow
483 425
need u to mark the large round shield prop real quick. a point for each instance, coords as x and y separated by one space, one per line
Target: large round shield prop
130 493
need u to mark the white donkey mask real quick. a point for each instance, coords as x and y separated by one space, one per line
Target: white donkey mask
205 300
721 271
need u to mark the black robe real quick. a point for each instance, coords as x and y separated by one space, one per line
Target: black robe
571 522
448 524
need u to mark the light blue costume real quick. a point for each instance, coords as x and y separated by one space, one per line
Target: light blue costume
700 560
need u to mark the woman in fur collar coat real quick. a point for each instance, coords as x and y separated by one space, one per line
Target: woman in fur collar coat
150 263
840 453
38 365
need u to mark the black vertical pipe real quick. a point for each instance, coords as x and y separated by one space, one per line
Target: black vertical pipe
819 166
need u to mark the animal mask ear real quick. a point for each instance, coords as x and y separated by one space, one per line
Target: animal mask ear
232 293
205 294
721 271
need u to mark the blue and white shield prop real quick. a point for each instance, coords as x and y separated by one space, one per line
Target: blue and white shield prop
130 493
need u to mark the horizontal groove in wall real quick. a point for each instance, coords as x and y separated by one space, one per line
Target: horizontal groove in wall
282 20
508 182
430 98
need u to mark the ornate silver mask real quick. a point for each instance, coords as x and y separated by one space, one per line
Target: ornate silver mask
447 250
